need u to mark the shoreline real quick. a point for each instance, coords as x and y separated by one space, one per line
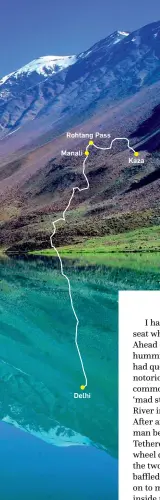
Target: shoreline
131 244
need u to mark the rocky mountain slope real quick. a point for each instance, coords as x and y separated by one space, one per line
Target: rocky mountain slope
18 82
60 96
105 90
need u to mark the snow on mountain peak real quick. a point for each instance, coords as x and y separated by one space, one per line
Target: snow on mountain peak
48 65
45 65
117 36
124 33
105 43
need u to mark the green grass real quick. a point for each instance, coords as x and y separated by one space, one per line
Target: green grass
139 240
138 250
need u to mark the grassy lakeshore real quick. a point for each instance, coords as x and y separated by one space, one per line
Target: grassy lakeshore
138 249
139 240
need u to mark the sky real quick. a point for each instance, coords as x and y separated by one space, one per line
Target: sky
34 28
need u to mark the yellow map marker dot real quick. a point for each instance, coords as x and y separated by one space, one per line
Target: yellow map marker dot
91 143
82 387
86 153
136 153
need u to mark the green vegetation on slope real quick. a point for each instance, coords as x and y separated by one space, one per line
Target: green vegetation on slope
138 250
139 240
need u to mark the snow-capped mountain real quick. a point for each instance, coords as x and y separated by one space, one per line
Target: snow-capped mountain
114 87
49 65
36 71
66 90
46 66
107 43
31 74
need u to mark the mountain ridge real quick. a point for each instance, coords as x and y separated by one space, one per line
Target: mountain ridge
113 89
55 59
93 76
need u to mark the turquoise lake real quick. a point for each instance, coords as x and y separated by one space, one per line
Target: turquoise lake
69 447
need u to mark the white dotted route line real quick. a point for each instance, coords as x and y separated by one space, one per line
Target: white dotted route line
74 189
